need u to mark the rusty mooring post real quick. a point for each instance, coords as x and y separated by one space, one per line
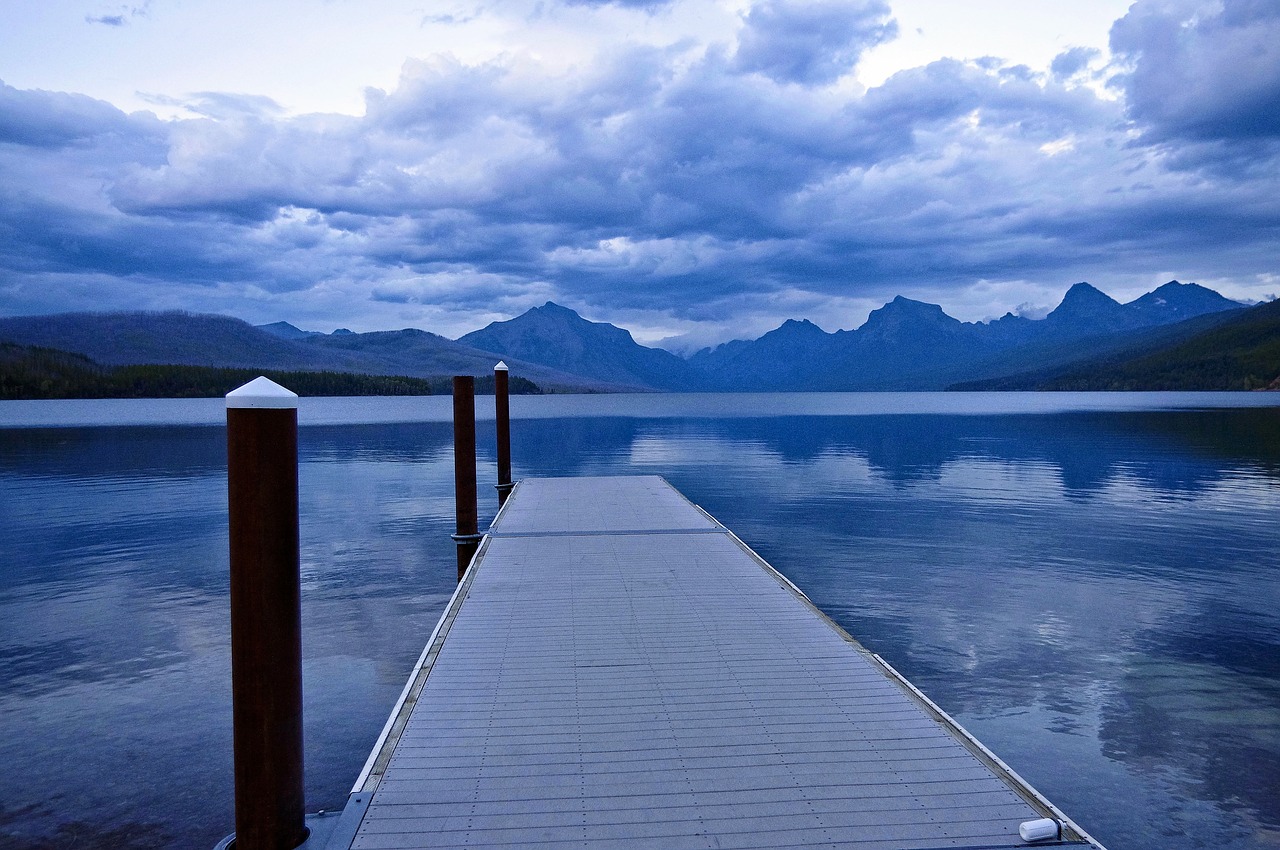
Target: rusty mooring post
464 470
502 413
266 616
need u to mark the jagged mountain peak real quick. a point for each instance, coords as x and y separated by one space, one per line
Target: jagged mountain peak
792 338
911 307
1084 293
1182 300
902 302
797 328
907 313
1175 285
1086 303
284 330
552 322
1086 309
557 336
552 310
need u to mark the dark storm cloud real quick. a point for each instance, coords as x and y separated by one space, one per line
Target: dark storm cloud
43 236
810 43
690 181
67 165
246 167
57 119
1202 72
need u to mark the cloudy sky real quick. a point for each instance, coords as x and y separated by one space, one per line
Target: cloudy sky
694 170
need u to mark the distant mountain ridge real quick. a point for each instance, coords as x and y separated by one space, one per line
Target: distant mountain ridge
558 337
912 345
284 330
1239 350
903 345
179 338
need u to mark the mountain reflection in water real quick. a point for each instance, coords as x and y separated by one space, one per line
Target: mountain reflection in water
1094 595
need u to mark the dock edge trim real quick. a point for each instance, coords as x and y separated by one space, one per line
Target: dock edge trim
987 755
371 774
964 736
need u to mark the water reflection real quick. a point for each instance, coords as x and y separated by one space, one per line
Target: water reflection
114 668
1110 576
1093 594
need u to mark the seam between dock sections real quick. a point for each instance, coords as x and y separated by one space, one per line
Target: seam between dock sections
374 771
632 532
1071 831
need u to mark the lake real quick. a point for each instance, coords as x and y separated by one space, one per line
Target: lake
1087 582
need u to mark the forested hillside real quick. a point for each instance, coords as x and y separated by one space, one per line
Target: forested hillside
29 372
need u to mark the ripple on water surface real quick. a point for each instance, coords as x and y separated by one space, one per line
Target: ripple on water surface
1094 594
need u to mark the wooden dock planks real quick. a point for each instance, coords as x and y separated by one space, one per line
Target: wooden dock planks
619 670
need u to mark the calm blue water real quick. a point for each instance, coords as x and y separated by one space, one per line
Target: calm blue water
1087 582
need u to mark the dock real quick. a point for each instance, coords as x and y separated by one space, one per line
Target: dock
618 669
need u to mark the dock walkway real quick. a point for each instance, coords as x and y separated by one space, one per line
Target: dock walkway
617 669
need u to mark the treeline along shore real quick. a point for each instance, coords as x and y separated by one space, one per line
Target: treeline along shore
33 372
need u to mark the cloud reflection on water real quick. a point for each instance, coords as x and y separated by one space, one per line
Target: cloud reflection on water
1093 594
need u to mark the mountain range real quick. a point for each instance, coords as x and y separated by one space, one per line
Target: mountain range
1240 353
178 338
911 345
904 345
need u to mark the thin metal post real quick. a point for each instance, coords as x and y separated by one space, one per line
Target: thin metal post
502 411
464 470
266 616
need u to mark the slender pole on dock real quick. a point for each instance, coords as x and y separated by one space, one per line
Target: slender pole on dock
464 470
266 616
502 411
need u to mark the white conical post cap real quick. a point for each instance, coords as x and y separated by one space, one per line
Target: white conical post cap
501 367
262 392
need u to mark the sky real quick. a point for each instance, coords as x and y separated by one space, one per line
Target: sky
692 170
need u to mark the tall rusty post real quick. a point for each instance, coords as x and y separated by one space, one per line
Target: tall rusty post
464 470
266 616
502 412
